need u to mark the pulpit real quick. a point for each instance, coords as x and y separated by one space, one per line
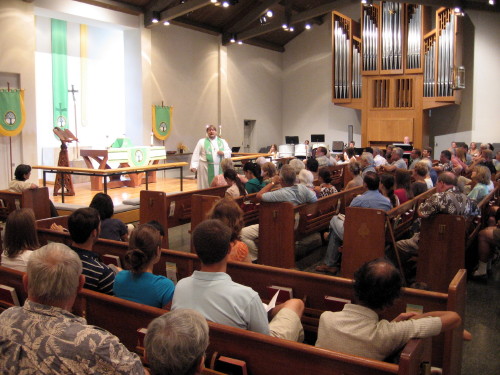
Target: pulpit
65 136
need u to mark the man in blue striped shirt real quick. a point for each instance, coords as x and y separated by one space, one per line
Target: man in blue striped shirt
84 225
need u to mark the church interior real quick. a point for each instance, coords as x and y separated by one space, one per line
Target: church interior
260 71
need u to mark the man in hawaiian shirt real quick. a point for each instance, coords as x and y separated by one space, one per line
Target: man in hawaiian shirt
43 337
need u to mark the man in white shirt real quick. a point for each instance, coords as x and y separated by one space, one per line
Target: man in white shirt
207 156
357 329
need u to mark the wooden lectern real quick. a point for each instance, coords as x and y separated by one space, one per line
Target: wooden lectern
65 136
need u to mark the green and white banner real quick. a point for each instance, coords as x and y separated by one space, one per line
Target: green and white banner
162 121
12 112
59 73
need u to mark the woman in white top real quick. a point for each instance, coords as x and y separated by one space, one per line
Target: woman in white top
20 239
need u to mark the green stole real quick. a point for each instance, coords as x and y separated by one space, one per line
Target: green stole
210 157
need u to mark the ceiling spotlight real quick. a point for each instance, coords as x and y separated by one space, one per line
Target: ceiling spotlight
307 26
291 29
225 4
166 23
270 13
263 20
233 38
240 42
368 3
491 2
213 1
284 26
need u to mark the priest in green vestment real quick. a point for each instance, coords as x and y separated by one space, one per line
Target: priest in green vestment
207 156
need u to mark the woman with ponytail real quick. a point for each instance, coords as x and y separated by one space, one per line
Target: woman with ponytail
138 283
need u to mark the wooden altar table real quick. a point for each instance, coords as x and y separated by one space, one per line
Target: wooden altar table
107 173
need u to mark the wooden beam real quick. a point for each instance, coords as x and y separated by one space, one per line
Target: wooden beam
198 26
252 16
263 44
177 11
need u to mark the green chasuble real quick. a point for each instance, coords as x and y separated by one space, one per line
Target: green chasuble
210 157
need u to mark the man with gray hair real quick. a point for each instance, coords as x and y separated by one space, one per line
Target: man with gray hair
43 337
378 159
367 163
290 192
397 160
176 342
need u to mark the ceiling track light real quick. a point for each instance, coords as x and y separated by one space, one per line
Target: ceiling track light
307 26
233 38
263 20
227 3
166 23
269 13
491 2
155 17
368 3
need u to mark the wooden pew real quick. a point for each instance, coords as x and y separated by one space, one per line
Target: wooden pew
446 348
277 232
263 354
367 231
171 210
36 199
201 204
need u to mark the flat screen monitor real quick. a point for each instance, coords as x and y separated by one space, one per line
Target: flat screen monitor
316 138
292 139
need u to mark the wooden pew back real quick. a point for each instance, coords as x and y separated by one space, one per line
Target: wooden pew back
277 232
171 210
263 354
312 287
36 199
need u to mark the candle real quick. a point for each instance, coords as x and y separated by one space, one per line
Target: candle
152 139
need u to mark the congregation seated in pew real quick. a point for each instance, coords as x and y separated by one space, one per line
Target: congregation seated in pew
112 229
83 226
138 283
20 239
290 192
176 342
372 198
228 211
357 329
448 200
212 292
44 337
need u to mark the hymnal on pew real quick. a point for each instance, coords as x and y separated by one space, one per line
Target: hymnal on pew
284 293
335 303
8 294
230 366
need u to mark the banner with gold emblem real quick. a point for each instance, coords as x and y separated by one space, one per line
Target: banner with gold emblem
162 121
12 112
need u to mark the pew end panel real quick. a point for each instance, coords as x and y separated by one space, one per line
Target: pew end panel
200 206
453 340
364 238
441 250
36 199
14 279
277 240
153 206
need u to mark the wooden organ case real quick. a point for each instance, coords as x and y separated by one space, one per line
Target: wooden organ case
394 68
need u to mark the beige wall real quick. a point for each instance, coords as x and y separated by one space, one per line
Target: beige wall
17 43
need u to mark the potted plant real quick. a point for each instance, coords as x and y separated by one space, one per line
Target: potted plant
182 147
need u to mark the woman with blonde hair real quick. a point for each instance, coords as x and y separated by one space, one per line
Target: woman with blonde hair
268 172
228 211
138 283
20 239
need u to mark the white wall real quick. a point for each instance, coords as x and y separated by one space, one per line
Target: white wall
184 68
478 117
307 80
254 92
17 43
